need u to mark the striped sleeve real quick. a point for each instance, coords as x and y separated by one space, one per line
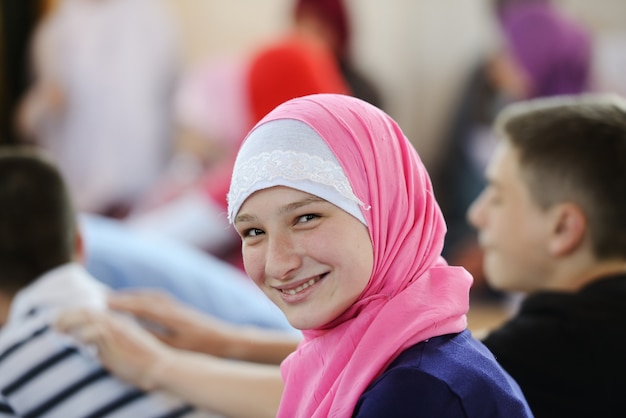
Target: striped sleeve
45 374
5 410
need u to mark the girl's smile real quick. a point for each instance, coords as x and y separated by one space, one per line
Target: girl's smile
310 257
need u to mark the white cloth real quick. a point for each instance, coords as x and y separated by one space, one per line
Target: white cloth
44 372
299 158
64 287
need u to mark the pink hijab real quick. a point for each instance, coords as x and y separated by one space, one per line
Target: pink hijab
412 295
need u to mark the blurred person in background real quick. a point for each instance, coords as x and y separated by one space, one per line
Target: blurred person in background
544 52
100 102
329 21
212 113
552 227
290 66
44 373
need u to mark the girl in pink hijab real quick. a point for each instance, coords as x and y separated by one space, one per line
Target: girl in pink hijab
341 230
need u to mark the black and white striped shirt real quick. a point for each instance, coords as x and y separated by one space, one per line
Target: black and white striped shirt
46 374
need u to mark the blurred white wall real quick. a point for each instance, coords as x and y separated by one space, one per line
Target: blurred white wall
416 51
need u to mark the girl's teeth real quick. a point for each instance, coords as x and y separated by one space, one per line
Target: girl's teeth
301 287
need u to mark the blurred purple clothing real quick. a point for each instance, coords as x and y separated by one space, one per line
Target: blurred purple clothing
553 50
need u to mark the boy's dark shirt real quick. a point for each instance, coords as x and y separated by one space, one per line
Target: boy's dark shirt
567 351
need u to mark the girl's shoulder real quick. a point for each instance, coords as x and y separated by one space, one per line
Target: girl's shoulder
450 375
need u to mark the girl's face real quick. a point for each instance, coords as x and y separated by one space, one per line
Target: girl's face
311 258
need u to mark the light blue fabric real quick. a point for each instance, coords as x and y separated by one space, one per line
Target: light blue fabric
123 258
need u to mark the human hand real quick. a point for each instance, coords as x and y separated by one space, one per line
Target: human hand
174 323
124 348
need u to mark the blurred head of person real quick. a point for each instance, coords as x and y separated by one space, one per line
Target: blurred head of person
552 214
38 230
290 68
326 20
551 51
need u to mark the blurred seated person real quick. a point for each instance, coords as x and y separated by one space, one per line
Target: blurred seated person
329 22
42 372
100 101
212 112
544 53
552 227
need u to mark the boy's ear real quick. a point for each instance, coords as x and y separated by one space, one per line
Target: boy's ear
569 228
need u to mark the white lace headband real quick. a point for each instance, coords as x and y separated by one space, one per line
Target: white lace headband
288 152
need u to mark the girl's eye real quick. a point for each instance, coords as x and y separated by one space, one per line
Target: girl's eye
306 218
252 232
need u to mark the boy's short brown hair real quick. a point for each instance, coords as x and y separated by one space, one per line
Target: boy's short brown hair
573 148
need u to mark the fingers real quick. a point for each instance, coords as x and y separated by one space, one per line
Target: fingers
74 319
151 305
82 325
155 310
87 325
123 347
172 322
104 329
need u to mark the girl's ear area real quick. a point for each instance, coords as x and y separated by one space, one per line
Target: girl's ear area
568 230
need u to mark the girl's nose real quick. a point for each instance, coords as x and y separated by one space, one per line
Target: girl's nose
282 257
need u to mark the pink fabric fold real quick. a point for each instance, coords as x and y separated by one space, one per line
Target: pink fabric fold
412 295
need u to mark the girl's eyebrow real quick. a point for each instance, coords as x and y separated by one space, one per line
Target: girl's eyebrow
300 203
244 217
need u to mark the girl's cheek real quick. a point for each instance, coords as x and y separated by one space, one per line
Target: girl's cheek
253 263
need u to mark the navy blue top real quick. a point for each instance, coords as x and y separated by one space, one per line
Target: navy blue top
448 376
